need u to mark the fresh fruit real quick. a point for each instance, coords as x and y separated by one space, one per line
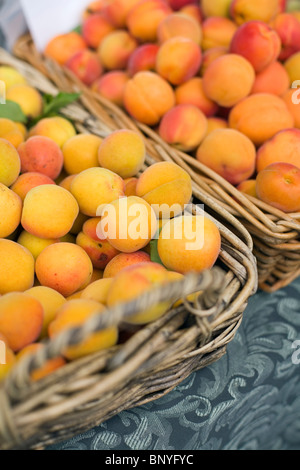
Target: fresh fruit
10 211
42 155
10 164
81 153
16 269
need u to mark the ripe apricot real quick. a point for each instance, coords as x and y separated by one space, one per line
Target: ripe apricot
28 98
16 269
122 261
10 164
10 211
80 153
56 128
11 132
64 46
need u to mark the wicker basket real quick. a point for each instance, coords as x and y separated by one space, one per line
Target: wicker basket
156 358
276 235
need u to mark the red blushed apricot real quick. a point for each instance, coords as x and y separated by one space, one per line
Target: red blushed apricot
115 50
116 11
86 66
175 51
288 29
143 58
279 185
64 46
260 117
258 43
27 181
229 153
122 261
248 187
100 253
283 147
147 97
178 24
143 19
194 11
273 79
42 155
191 92
95 28
217 31
95 6
178 4
184 126
228 80
112 86
21 319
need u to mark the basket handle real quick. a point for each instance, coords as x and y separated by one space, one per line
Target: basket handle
211 283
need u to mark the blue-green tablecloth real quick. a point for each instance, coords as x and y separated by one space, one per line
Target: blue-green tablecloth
249 399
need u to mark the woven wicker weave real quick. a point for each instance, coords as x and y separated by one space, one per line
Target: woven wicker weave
276 235
153 361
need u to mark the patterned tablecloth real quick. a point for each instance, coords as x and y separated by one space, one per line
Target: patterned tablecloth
250 399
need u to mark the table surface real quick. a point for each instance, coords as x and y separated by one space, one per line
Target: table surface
249 399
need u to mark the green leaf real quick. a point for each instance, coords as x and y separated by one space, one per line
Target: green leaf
154 255
11 110
54 104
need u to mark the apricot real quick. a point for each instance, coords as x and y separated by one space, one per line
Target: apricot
64 46
258 43
279 185
292 66
128 224
167 187
143 58
175 51
228 80
178 4
7 358
115 50
178 24
112 86
21 319
217 31
42 155
214 123
284 147
100 252
11 132
81 153
210 55
130 186
28 98
134 281
147 97
216 8
49 211
229 153
189 243
123 152
184 127
56 128
97 291
74 314
50 366
96 187
122 261
95 28
191 92
260 117
27 181
96 6
16 269
92 229
64 267
194 11
10 164
288 29
116 11
51 301
291 99
242 10
273 79
86 66
248 187
34 244
144 18
10 211
11 76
